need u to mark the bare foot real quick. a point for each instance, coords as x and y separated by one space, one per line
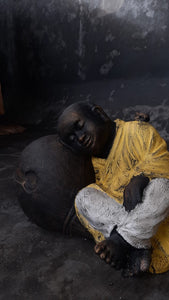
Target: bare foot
121 255
114 250
138 262
105 250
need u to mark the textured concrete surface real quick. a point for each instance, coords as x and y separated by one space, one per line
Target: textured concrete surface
48 42
53 53
36 264
117 96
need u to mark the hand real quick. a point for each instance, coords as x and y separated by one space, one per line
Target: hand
134 191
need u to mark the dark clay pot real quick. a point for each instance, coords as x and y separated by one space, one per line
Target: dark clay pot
49 177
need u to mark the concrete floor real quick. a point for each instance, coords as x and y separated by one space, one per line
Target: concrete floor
36 264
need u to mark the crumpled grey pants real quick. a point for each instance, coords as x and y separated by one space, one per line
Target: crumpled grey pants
137 226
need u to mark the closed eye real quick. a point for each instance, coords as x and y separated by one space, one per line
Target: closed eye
79 124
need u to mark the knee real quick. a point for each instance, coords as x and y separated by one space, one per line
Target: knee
158 186
88 202
82 201
157 192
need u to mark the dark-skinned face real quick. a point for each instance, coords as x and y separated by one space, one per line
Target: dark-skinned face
85 128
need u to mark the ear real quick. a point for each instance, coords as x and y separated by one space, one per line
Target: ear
99 110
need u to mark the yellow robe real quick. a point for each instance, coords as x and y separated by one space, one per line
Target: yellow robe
137 149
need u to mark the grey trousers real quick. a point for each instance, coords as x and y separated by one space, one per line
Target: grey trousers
137 226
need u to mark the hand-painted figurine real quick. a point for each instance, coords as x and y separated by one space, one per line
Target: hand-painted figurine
123 202
126 209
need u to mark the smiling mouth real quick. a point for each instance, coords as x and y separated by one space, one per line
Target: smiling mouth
88 141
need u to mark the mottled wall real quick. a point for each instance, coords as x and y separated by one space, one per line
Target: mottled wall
59 41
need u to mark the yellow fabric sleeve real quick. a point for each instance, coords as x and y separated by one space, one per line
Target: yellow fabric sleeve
137 149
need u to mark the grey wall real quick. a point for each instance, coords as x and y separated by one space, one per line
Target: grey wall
44 43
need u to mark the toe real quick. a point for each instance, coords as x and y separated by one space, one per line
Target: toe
144 265
126 273
108 260
99 248
146 260
103 255
112 264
